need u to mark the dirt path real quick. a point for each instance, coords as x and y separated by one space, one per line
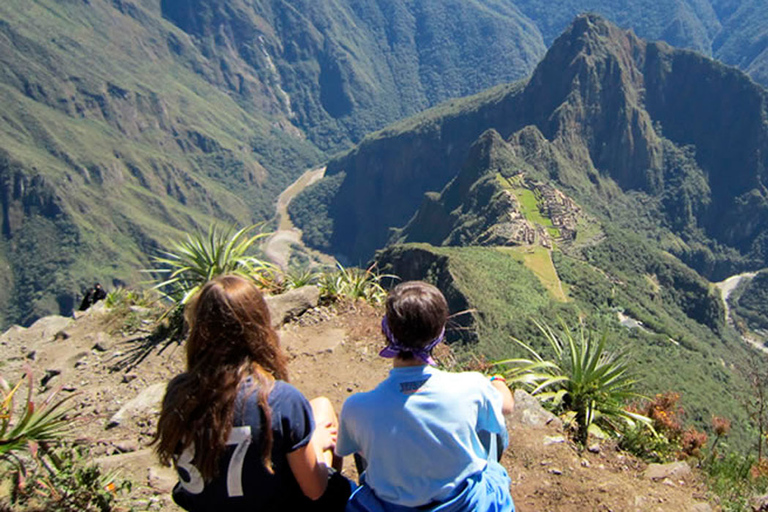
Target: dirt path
278 247
728 285
726 288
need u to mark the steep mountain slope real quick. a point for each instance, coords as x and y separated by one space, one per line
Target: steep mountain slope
575 191
126 121
657 139
110 142
734 31
346 68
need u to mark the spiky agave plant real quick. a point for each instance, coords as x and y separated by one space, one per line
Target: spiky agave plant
22 429
190 263
353 283
584 377
300 277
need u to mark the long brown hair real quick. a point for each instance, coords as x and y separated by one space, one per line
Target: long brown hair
230 339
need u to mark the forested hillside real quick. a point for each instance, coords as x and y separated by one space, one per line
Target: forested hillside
126 121
661 141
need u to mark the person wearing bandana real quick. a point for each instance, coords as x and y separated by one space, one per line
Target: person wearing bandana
422 431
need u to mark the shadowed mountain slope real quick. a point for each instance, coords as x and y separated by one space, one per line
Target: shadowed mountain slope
661 140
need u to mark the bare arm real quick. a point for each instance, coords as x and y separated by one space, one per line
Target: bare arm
507 400
310 463
311 474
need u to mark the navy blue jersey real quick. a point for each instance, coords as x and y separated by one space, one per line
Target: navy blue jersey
242 482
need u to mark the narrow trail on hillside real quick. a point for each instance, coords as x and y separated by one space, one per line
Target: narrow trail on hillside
278 247
726 288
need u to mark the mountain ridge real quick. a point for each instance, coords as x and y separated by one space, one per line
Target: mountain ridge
597 99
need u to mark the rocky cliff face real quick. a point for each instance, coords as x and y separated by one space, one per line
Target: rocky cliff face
620 123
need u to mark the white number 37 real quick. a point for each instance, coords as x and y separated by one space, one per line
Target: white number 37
241 438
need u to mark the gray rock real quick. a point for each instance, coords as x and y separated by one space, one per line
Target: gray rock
127 446
701 507
529 412
146 401
77 358
292 303
14 333
49 327
674 471
548 440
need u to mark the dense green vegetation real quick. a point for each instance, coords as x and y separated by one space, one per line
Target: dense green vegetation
658 165
750 301
310 210
501 298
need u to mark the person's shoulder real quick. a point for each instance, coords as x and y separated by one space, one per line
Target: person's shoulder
360 400
466 377
465 380
286 390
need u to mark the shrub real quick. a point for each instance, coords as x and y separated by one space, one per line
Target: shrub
353 284
584 377
191 263
45 472
22 429
66 482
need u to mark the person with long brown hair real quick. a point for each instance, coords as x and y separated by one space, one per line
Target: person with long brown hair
239 435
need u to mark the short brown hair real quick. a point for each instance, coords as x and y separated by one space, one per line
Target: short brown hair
416 313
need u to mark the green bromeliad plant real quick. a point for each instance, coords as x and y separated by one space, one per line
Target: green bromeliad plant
584 377
190 263
24 428
45 471
353 283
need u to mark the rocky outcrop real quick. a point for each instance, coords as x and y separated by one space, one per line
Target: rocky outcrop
292 303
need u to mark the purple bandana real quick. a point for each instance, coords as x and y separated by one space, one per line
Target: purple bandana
394 347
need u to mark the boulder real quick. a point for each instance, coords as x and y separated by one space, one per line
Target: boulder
146 401
14 333
47 328
674 471
529 412
292 303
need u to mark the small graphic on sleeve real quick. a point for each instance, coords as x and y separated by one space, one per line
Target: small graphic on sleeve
409 388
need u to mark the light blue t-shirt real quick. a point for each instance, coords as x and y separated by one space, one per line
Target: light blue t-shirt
418 430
